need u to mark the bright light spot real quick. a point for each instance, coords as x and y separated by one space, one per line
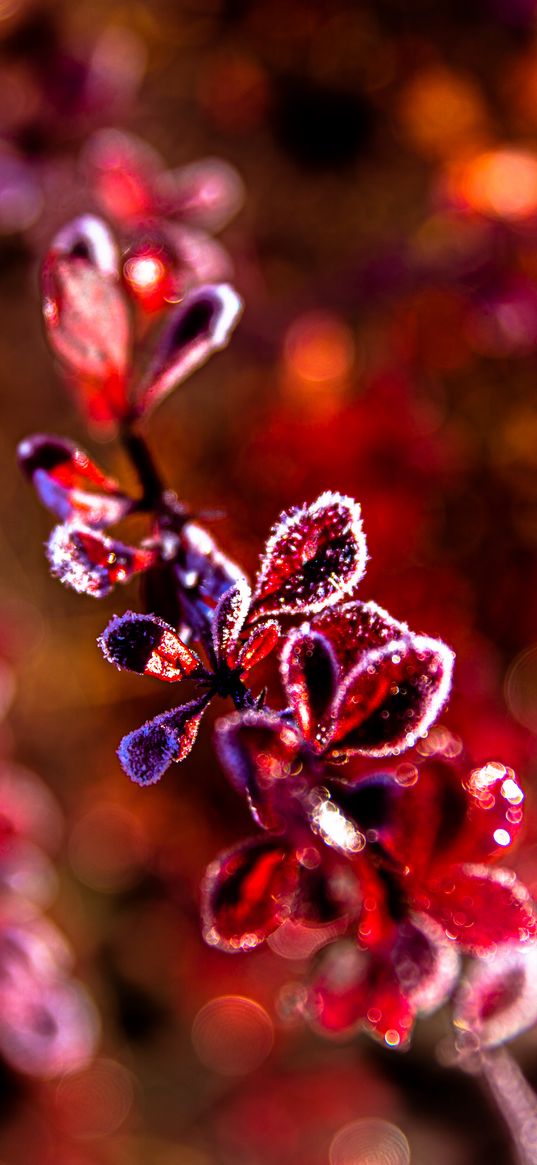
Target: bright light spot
369 1142
511 791
392 1038
485 776
232 1035
335 829
144 272
439 741
502 837
502 183
319 347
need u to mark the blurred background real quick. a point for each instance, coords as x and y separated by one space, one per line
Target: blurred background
387 253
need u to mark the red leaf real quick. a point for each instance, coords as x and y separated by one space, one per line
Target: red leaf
153 272
148 646
248 893
314 556
391 697
495 814
338 998
260 643
121 170
479 908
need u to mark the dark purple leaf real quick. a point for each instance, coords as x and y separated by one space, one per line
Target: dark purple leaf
146 753
89 238
148 646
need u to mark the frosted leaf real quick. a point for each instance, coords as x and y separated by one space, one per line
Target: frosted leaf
309 673
92 564
314 556
391 697
148 646
146 753
229 619
199 326
61 474
498 997
354 627
248 892
86 320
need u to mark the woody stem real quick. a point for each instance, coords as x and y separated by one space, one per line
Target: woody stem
516 1101
150 480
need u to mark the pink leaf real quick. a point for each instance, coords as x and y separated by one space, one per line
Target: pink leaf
206 193
498 997
199 326
87 321
314 556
